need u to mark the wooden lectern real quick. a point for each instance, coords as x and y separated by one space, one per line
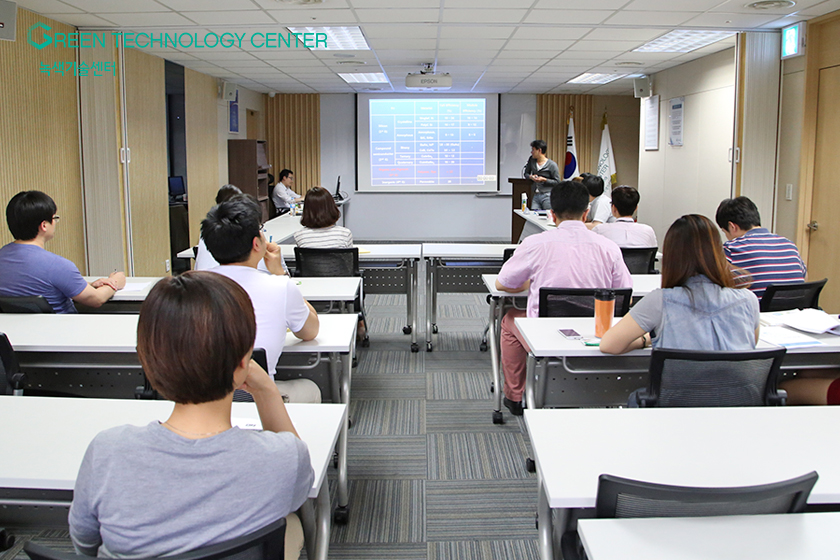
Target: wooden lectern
519 186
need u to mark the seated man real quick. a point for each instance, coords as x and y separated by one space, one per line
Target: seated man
624 230
568 257
232 234
767 257
283 195
599 200
28 269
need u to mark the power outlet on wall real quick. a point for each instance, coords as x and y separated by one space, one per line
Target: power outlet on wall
788 192
166 265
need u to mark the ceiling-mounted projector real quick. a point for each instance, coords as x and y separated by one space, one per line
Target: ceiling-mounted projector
427 80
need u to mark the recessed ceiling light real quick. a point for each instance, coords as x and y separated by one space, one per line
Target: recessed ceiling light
338 38
344 55
593 78
684 40
364 77
629 63
770 4
351 62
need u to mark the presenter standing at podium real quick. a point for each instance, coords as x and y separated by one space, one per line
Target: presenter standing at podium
544 175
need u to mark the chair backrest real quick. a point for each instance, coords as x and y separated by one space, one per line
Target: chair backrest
12 377
623 498
507 254
640 260
800 295
686 378
327 262
264 544
579 302
25 304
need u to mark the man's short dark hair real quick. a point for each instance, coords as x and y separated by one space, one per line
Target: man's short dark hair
26 212
192 333
594 184
540 145
625 199
226 192
569 200
285 173
740 211
230 228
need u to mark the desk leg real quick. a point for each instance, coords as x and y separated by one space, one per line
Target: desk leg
322 544
430 280
307 520
435 297
494 363
414 298
530 381
546 527
342 512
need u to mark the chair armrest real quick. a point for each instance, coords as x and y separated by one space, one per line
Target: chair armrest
644 399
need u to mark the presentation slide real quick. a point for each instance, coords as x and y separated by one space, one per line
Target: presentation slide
428 143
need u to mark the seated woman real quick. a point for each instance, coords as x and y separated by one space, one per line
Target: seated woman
320 214
698 307
193 480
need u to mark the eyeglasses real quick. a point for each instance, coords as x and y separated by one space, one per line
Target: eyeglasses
54 218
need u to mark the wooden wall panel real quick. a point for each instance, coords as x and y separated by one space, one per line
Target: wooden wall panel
202 127
145 84
552 126
293 132
40 133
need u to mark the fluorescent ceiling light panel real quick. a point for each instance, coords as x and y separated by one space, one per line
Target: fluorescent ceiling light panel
684 40
338 38
363 78
590 78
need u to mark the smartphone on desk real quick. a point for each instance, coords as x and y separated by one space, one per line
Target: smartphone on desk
571 334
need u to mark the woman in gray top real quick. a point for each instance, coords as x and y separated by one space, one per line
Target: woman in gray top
698 307
194 480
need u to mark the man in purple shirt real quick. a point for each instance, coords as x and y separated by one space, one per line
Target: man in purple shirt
28 269
570 256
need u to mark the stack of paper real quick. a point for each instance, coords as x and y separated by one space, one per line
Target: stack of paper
780 336
813 321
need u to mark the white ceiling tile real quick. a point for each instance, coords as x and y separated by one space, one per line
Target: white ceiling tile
515 55
536 33
673 5
475 32
646 57
739 6
391 31
148 19
503 15
619 34
253 65
385 4
83 20
580 4
626 17
736 21
109 6
592 54
209 5
568 16
378 44
406 56
604 46
240 17
282 6
577 59
546 46
518 62
822 9
406 15
311 16
175 56
284 54
483 4
494 44
787 20
213 55
48 7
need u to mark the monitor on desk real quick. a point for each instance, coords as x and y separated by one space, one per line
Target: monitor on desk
337 194
177 189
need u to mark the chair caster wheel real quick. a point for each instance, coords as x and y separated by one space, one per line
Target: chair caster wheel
428 347
530 465
483 347
492 387
497 417
407 330
415 347
341 515
434 329
355 361
537 521
366 342
335 460
7 541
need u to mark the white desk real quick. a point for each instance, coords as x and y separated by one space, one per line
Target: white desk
50 436
387 269
128 293
456 268
713 447
64 348
277 230
805 536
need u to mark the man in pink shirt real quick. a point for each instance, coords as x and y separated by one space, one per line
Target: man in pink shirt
570 256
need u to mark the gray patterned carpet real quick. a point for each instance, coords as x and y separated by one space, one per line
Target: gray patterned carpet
431 477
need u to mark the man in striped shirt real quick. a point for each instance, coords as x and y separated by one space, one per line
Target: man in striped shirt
769 258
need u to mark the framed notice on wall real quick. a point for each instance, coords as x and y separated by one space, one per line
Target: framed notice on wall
676 120
234 115
652 123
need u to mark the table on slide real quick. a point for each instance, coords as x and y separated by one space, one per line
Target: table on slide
707 447
500 301
456 268
96 356
276 230
804 536
386 269
43 452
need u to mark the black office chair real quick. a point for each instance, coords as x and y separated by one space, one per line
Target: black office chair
625 498
263 544
25 304
13 380
640 260
579 302
800 295
688 378
332 262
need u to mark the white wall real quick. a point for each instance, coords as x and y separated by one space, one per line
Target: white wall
419 216
695 177
248 99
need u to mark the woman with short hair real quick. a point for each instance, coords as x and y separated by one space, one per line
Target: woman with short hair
193 480
320 215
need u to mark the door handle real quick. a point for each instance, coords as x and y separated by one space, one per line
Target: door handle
813 226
